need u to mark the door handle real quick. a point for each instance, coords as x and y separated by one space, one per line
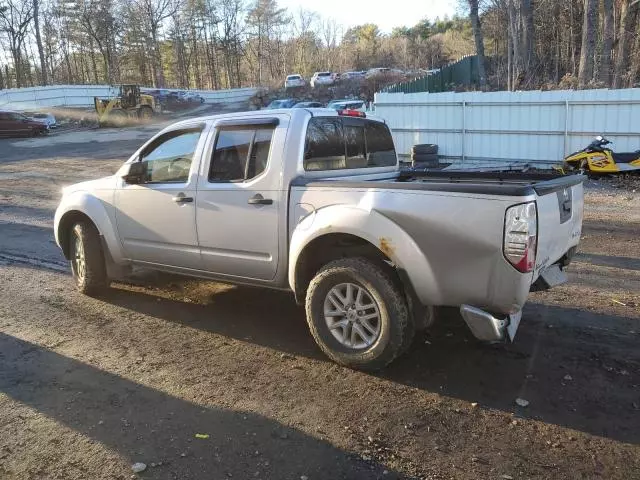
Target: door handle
258 199
182 198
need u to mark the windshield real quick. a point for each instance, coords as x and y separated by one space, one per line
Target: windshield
324 74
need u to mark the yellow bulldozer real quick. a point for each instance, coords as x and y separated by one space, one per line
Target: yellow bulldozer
128 106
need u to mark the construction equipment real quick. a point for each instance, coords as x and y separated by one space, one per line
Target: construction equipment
129 105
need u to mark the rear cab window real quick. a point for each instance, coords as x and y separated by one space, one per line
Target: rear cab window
342 143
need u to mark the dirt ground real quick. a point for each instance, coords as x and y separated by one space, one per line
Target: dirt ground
90 386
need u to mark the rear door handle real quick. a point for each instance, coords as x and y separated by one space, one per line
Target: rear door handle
258 199
182 198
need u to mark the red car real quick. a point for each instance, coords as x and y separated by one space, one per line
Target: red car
13 123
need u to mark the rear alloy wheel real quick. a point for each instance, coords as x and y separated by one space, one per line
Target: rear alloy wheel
87 259
352 316
357 314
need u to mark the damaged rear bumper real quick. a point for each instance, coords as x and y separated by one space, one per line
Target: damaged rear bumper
489 328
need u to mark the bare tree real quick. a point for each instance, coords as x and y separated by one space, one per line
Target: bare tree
589 25
36 26
478 38
604 67
628 20
154 13
15 19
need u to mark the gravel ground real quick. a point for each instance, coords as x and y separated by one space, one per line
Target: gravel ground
88 387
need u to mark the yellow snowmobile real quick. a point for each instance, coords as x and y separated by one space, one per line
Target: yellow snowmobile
597 159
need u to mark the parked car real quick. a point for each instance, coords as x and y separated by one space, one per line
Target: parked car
308 105
372 72
341 100
352 76
172 100
316 203
294 81
282 103
47 118
322 79
191 97
14 123
358 105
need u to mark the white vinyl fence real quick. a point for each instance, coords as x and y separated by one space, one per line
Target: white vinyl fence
539 128
82 96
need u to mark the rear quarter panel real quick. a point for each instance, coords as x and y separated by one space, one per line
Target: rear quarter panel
459 237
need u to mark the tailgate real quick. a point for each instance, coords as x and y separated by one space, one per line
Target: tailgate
560 209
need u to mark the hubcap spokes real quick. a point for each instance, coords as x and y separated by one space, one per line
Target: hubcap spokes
352 316
79 259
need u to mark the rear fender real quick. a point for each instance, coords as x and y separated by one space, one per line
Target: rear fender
95 210
378 230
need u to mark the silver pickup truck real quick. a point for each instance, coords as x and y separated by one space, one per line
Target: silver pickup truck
314 201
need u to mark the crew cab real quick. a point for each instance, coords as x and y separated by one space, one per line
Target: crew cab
313 201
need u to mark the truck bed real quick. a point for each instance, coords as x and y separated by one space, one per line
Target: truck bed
517 184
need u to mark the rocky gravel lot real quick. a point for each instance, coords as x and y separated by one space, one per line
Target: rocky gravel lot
199 380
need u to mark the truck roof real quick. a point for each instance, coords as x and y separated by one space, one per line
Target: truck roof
296 114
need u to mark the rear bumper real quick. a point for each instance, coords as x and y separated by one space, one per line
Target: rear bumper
489 328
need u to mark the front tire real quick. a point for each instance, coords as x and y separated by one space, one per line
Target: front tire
87 259
358 315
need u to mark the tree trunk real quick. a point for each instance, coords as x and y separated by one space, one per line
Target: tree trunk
635 60
509 63
17 64
157 58
92 55
604 71
589 25
477 35
528 40
628 16
514 34
36 26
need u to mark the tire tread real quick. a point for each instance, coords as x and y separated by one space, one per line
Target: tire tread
396 306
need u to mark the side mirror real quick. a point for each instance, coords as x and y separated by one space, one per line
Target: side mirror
135 173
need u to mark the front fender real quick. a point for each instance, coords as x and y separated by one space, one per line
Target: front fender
376 229
97 211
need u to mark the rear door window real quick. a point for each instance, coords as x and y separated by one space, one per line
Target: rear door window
240 154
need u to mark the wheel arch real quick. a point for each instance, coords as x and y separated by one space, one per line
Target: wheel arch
339 231
69 219
83 206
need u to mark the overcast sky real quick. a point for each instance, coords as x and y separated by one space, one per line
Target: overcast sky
387 14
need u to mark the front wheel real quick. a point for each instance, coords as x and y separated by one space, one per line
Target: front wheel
357 314
87 259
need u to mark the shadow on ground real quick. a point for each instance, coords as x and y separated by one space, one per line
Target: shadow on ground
595 350
148 425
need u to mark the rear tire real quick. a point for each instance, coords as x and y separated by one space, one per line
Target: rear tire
357 295
145 113
87 259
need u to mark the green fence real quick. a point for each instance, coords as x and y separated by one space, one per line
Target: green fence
463 73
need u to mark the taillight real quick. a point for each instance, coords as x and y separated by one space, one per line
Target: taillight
521 236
